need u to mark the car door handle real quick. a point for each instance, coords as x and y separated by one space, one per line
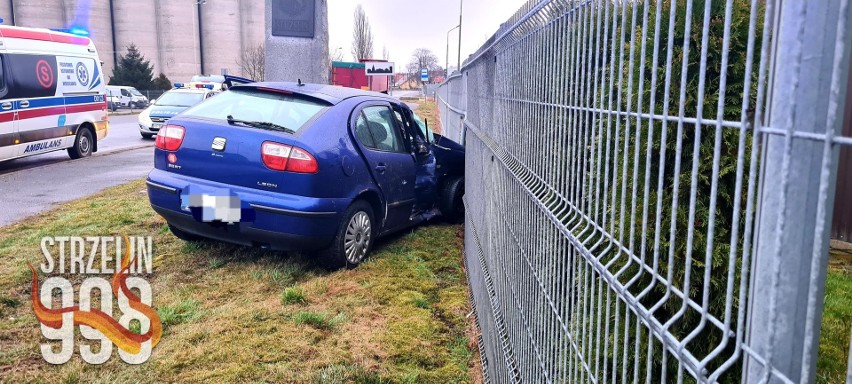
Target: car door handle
381 167
6 106
25 104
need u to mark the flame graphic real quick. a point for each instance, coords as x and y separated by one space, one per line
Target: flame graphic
126 340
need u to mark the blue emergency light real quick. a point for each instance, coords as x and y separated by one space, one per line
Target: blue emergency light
178 85
78 31
74 31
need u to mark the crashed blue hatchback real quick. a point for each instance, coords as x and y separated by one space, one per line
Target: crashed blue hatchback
290 166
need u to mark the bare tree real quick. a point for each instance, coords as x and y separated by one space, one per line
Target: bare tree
423 58
385 53
252 61
362 36
336 55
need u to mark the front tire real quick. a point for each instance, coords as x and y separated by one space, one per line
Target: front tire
353 239
450 200
84 143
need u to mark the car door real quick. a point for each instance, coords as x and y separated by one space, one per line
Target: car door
392 166
8 134
426 179
125 97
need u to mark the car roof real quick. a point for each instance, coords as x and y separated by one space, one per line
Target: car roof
190 90
329 93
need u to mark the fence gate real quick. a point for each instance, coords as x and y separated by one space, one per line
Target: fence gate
649 187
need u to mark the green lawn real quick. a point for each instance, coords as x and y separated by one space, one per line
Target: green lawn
238 314
233 314
836 327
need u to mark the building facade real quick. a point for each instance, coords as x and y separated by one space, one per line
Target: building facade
181 38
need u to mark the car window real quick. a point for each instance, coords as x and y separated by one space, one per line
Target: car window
362 132
267 107
125 93
380 123
2 77
179 99
426 132
134 92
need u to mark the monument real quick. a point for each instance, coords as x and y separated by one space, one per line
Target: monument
297 41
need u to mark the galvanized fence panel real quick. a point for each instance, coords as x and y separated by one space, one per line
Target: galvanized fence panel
648 186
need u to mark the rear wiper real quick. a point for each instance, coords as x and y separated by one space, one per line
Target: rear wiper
260 124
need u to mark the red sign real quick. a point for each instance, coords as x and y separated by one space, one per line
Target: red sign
44 73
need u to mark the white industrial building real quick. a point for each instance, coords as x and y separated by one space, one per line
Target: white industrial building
181 38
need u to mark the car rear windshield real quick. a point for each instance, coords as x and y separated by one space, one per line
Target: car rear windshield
256 106
179 99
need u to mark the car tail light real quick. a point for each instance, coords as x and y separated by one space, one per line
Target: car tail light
281 157
275 155
302 162
170 137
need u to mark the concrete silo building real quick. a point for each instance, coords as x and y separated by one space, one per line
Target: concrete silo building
181 38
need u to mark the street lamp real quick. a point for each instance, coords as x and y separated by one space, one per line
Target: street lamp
447 67
196 35
461 7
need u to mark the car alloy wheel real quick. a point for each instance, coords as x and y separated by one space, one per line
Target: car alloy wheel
357 238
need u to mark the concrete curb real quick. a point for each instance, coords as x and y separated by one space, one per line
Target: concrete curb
124 113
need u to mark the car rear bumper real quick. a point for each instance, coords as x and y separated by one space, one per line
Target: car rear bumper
281 221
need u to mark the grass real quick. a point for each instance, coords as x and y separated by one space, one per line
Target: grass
836 326
293 295
235 314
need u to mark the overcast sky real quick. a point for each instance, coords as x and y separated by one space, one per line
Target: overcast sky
405 25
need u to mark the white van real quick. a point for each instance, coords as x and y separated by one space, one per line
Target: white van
126 97
52 93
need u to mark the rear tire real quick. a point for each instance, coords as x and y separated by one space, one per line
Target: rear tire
353 239
450 200
185 236
83 144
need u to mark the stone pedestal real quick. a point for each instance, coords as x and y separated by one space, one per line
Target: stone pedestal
297 41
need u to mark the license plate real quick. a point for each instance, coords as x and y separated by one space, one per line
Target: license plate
156 126
212 208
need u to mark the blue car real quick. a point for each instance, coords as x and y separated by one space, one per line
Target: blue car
289 166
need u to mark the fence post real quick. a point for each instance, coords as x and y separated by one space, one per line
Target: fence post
788 281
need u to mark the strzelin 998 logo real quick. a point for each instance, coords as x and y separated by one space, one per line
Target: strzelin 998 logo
78 255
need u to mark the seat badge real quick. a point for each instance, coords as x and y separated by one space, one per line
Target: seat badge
219 144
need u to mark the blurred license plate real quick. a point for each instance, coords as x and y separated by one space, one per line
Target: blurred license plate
209 208
156 126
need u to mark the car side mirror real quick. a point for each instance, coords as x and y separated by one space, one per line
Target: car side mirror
422 149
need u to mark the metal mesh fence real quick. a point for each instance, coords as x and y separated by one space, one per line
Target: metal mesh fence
648 185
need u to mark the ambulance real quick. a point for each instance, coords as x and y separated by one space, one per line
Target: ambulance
52 94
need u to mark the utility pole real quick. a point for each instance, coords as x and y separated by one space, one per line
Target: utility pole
461 8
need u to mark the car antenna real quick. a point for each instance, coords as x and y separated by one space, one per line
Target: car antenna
301 84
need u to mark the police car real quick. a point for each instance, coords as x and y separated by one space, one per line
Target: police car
170 104
52 94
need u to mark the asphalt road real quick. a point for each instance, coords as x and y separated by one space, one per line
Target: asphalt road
123 134
35 184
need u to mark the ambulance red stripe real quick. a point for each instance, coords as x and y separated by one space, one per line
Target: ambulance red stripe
52 111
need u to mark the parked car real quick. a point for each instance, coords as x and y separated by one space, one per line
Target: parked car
126 97
303 167
170 104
